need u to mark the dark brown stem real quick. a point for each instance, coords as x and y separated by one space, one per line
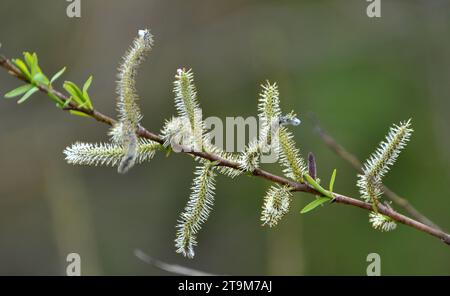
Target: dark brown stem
296 186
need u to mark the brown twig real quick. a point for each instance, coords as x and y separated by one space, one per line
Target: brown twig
298 187
356 163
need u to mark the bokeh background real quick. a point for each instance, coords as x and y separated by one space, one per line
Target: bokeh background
356 74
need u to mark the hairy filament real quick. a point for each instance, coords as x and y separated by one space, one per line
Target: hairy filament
196 211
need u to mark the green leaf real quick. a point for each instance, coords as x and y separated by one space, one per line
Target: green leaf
40 78
316 186
32 62
27 95
86 86
78 113
74 91
19 91
314 204
36 63
23 68
29 59
333 177
67 102
57 100
57 75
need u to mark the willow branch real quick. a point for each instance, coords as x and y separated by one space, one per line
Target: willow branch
297 187
356 163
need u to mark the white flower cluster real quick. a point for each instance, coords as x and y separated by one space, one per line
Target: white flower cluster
276 205
381 222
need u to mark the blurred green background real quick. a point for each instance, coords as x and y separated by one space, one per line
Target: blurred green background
356 74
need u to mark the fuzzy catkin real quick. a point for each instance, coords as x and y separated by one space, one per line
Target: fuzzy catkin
129 112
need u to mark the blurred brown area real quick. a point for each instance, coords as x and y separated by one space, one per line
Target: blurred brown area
356 74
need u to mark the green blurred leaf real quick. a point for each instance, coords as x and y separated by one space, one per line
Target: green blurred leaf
316 186
32 62
19 91
57 100
29 59
74 91
40 78
314 204
22 67
27 95
78 113
67 102
36 63
57 75
86 86
333 177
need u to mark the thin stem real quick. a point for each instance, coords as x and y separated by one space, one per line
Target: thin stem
296 186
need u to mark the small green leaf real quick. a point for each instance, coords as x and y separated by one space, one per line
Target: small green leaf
36 63
19 91
78 113
40 78
316 186
32 62
57 75
27 95
29 59
86 98
314 204
67 102
23 68
74 91
57 100
333 177
87 84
